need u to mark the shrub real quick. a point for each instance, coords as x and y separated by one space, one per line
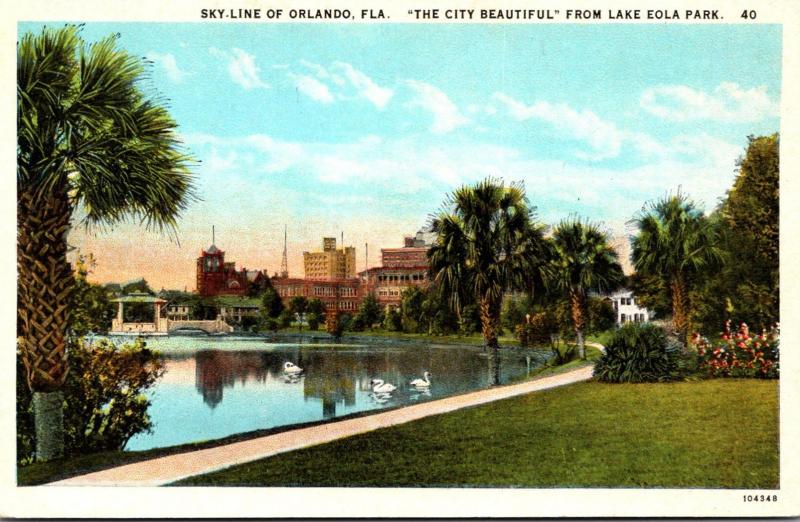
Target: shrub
313 319
638 353
104 401
538 330
393 320
740 354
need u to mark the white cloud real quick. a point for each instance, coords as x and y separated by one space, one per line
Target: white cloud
313 88
364 85
446 116
242 68
728 103
169 64
339 81
602 136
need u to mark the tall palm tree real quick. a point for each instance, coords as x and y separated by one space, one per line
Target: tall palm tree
486 243
87 138
675 242
583 261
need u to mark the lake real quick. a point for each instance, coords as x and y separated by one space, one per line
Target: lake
219 386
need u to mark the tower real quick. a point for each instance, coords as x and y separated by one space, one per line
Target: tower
284 259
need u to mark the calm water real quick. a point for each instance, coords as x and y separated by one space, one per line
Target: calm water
214 387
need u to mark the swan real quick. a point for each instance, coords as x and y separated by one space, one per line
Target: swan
289 367
378 386
425 382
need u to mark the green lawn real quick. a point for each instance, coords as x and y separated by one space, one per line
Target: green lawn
712 434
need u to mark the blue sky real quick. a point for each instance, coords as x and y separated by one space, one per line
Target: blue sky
366 128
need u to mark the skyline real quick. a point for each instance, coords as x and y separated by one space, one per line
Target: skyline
366 129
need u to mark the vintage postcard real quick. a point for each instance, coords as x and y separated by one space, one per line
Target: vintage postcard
390 259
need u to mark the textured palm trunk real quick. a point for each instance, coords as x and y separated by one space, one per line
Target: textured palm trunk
680 308
490 321
44 288
577 302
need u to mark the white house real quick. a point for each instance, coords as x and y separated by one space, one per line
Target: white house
627 309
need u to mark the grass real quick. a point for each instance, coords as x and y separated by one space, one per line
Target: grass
719 433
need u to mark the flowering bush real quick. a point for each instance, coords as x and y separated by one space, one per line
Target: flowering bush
740 354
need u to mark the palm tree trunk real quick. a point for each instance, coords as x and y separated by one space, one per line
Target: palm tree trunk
490 321
44 289
680 307
577 301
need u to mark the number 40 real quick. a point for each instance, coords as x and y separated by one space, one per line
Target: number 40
748 15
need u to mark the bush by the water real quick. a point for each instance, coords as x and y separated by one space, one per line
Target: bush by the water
638 353
104 401
740 354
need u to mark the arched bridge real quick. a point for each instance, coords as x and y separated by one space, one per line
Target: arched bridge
214 326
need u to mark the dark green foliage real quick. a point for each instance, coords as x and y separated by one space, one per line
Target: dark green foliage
271 304
104 401
355 324
314 319
638 353
746 287
602 316
370 311
315 306
411 309
286 318
393 321
470 320
91 309
203 308
538 331
140 286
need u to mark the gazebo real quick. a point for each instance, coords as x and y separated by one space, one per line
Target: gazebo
157 327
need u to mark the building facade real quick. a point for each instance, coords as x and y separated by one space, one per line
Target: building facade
627 309
400 269
216 277
331 263
344 295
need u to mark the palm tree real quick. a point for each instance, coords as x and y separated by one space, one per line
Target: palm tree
675 243
486 243
87 138
583 261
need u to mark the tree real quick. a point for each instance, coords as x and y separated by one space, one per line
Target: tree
675 242
583 261
271 304
92 309
298 306
87 137
411 309
370 311
486 243
315 313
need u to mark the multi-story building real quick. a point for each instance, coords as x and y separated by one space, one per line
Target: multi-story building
400 268
626 308
331 263
344 295
215 276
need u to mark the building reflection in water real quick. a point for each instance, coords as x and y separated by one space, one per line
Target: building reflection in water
216 370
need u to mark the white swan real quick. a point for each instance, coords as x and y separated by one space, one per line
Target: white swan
378 386
425 382
290 367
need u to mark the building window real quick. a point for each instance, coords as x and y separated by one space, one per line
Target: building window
622 318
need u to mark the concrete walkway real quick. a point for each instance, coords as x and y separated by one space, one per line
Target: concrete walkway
164 470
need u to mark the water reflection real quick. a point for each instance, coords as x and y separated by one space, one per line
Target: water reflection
213 388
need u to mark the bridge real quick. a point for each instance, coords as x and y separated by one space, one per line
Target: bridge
214 326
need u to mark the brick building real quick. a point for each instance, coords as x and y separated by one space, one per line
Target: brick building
343 294
400 268
215 276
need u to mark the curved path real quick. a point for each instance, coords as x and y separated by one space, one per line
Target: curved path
164 470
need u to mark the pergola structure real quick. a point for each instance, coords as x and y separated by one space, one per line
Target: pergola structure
158 326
